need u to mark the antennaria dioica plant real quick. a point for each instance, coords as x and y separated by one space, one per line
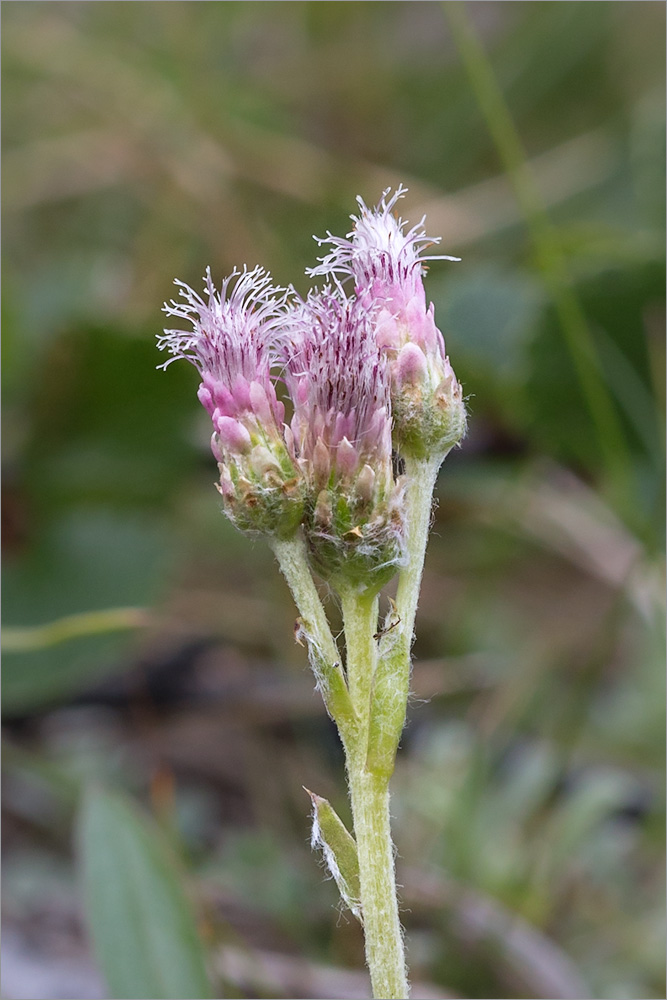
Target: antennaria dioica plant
363 369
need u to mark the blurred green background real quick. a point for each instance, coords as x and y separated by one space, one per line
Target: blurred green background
143 141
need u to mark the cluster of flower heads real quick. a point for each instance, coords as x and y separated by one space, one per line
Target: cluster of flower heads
362 372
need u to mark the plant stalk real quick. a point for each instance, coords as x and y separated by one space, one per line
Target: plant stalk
369 794
385 953
369 707
392 678
314 626
360 615
421 475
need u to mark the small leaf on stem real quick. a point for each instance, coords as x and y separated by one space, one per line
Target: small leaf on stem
340 851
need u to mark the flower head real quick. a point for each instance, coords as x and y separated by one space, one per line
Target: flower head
387 265
338 380
363 372
233 344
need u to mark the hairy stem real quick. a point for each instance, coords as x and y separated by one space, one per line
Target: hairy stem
380 692
369 708
314 627
392 677
421 476
370 809
379 906
360 615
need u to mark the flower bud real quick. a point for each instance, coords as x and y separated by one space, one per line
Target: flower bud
232 346
429 412
321 463
347 458
387 265
410 368
233 436
365 484
341 428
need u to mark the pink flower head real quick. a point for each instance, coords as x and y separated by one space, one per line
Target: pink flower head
339 383
233 346
338 379
387 265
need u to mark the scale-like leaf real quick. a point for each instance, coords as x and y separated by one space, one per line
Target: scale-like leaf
340 851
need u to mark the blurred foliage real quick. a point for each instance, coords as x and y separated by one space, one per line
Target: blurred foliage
145 935
143 141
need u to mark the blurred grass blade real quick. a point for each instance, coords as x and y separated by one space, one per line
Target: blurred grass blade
89 576
17 640
575 327
142 925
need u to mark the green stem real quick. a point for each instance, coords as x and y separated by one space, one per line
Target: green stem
382 928
370 809
392 677
551 258
322 650
360 615
421 476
